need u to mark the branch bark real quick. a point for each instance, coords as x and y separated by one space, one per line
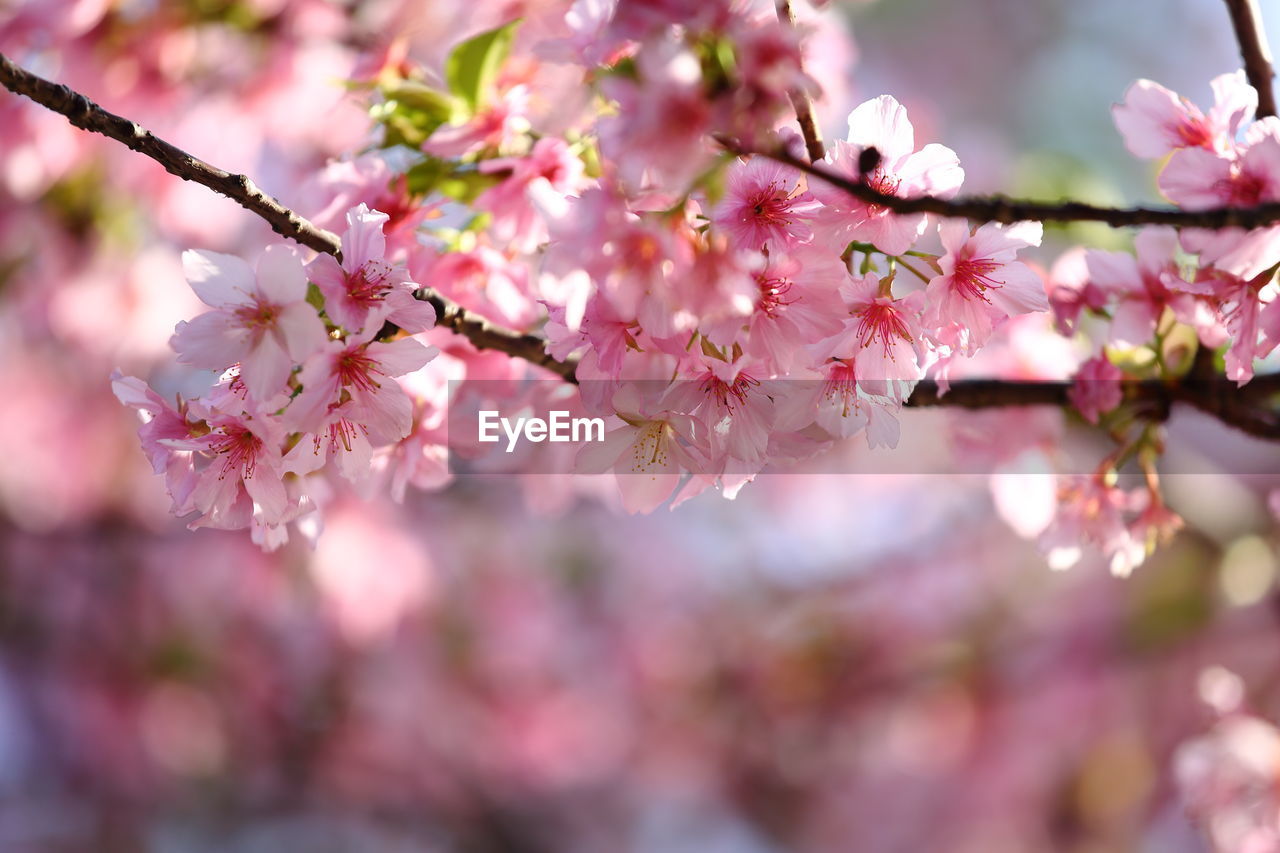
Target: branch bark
87 115
800 100
1215 396
1246 19
998 208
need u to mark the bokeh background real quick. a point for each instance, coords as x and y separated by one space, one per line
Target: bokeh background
827 663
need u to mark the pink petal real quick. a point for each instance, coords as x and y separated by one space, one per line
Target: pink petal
1147 119
212 341
302 331
265 368
364 240
1022 291
281 276
401 356
219 280
882 122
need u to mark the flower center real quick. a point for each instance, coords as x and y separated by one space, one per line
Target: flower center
883 323
772 291
240 449
1242 189
842 386
259 315
883 184
356 368
369 284
771 207
972 277
729 395
1195 134
341 432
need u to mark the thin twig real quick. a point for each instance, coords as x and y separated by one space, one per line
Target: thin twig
85 114
1246 18
800 100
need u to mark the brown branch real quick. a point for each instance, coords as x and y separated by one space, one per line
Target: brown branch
800 100
1246 19
998 208
1216 396
85 114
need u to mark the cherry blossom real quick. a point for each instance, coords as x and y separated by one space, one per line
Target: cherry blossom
1155 121
763 206
1097 388
903 171
366 289
261 318
981 283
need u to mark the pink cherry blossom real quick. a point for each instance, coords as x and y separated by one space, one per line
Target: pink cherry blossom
496 126
243 471
838 403
534 184
734 407
1092 512
1196 178
366 289
161 424
903 171
1228 780
763 206
1155 121
981 283
883 335
1097 390
1071 291
348 390
1142 286
648 454
261 319
660 130
481 279
798 303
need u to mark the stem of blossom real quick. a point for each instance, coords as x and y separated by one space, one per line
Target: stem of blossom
1246 19
85 114
800 100
912 269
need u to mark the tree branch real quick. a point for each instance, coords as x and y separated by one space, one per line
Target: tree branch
1215 395
1246 19
85 114
799 99
998 208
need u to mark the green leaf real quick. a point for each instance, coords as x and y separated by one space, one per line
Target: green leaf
433 174
473 65
412 112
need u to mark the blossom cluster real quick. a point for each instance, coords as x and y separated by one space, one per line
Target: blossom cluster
305 384
725 312
1218 283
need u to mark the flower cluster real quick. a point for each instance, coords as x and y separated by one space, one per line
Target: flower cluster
724 312
307 381
1218 283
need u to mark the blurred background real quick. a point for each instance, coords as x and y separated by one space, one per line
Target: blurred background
827 663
